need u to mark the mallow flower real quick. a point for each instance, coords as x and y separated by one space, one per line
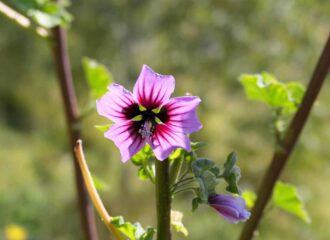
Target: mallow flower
232 208
149 115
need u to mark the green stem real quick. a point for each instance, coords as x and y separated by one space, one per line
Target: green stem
277 132
176 169
163 200
184 190
182 183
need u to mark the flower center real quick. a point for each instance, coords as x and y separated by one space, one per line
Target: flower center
147 119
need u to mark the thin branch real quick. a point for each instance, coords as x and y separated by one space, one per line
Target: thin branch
281 156
22 21
97 202
62 63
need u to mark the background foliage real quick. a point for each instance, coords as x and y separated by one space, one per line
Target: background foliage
206 45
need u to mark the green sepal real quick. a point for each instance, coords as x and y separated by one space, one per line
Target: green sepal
143 173
137 118
156 110
103 128
142 108
157 120
176 154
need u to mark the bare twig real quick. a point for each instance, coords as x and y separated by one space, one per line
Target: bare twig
280 157
22 21
97 202
62 63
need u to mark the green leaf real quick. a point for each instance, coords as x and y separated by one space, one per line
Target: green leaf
201 165
250 198
267 89
176 222
232 181
140 158
277 95
98 77
132 231
44 19
210 182
255 85
148 234
203 193
145 161
125 227
195 203
231 174
46 13
286 197
229 164
296 92
216 171
103 128
206 174
100 184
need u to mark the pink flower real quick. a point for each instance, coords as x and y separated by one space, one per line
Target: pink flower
148 115
230 207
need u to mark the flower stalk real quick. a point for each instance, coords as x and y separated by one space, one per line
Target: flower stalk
163 200
176 169
96 200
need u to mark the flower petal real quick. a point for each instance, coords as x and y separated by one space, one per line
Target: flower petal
227 200
164 141
153 89
127 139
118 104
182 116
230 207
230 214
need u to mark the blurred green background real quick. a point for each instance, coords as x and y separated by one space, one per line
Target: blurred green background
206 45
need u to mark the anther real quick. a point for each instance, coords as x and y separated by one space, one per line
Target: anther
146 129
